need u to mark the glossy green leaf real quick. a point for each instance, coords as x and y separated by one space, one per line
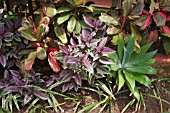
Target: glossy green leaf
143 79
64 17
121 44
40 32
121 80
41 53
131 44
63 10
126 56
60 33
27 33
78 27
108 19
130 79
71 24
142 69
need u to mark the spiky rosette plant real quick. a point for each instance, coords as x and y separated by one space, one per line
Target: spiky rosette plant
84 58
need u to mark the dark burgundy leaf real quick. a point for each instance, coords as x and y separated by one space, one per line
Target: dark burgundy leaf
1 29
65 87
147 22
165 29
107 51
3 60
18 23
41 95
88 21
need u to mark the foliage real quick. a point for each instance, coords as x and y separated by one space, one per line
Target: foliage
84 58
130 67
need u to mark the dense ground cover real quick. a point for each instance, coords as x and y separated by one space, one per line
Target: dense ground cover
70 57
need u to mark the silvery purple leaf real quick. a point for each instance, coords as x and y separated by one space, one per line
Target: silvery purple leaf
8 34
67 77
6 74
56 77
77 79
9 24
93 42
88 66
48 83
73 60
102 70
107 51
88 21
28 98
105 60
3 60
72 43
64 49
84 35
18 23
11 89
65 60
15 73
18 34
76 87
1 85
103 43
71 85
2 29
41 95
96 57
25 81
65 87
17 81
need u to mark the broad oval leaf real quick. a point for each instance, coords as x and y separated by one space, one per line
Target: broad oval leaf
41 53
71 24
61 19
63 9
49 9
159 18
108 19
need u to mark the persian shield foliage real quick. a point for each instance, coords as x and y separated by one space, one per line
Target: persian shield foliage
130 67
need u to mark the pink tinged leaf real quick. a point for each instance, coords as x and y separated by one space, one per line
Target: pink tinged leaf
153 36
40 95
88 21
159 18
53 62
3 60
168 17
147 22
107 51
102 43
165 29
88 66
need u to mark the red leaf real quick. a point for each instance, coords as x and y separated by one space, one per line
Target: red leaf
153 36
168 17
53 62
147 22
159 18
165 29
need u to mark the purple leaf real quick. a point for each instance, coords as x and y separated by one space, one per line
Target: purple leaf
8 34
93 42
1 29
14 73
67 77
106 60
71 85
64 49
107 51
17 81
3 60
10 64
40 95
89 67
56 77
84 35
28 98
48 83
65 87
11 89
96 57
6 74
9 24
102 43
18 23
77 79
88 21
72 60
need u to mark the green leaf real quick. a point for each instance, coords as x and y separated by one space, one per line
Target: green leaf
41 53
143 79
142 69
112 30
63 10
166 44
159 18
136 93
108 19
25 51
121 80
71 2
145 48
50 9
60 33
127 7
104 87
130 45
40 32
78 27
130 79
27 33
126 56
115 39
121 44
71 24
138 8
31 56
61 19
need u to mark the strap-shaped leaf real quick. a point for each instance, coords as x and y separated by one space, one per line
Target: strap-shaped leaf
121 80
142 69
130 79
71 24
121 44
131 44
143 79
